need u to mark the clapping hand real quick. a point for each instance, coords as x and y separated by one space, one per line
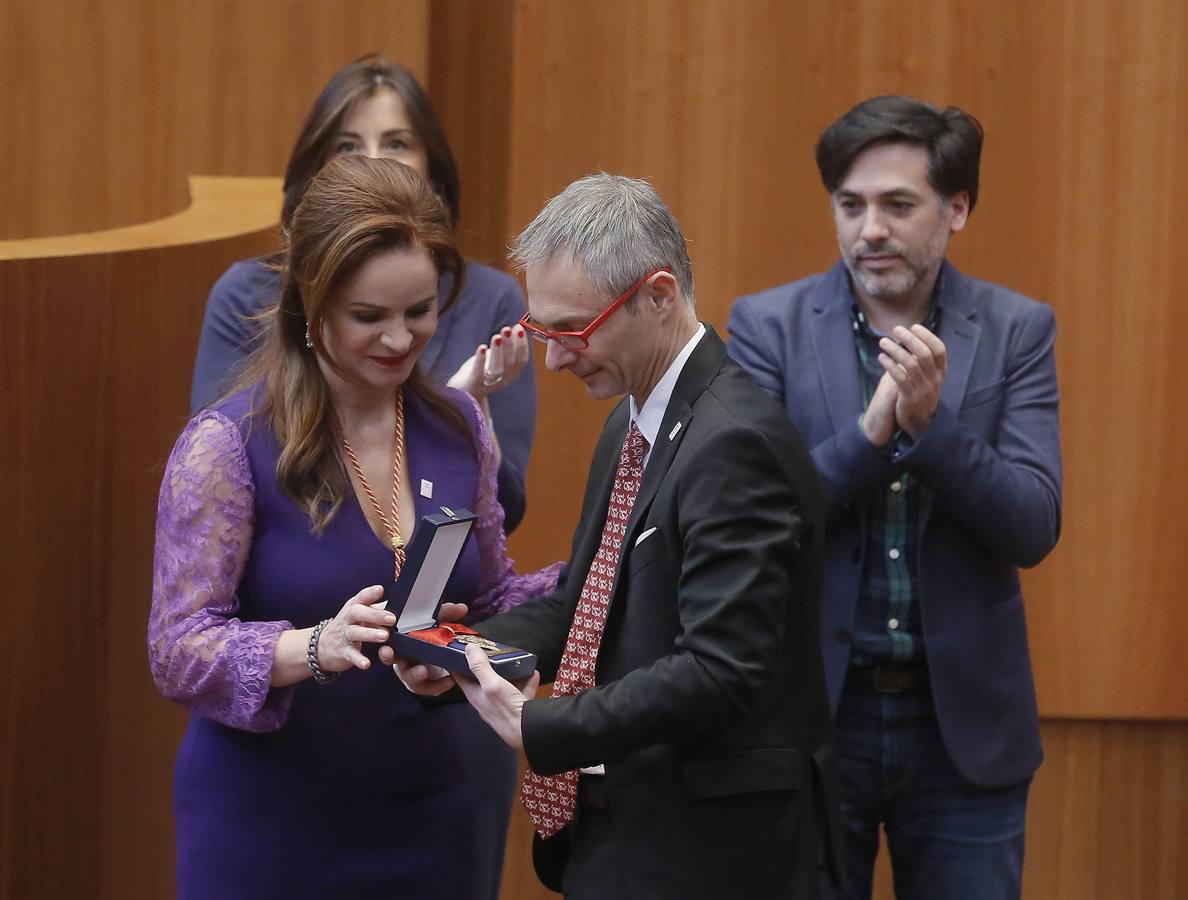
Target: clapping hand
878 422
915 360
493 366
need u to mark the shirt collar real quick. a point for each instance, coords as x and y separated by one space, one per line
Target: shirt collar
932 318
648 419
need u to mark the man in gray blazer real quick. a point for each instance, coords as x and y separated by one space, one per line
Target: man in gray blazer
929 401
688 687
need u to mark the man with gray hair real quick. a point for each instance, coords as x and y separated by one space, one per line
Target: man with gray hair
685 750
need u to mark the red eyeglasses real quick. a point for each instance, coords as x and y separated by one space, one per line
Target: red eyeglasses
580 340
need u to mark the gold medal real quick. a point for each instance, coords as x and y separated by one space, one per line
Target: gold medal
479 641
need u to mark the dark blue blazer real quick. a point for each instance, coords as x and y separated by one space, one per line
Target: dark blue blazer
990 474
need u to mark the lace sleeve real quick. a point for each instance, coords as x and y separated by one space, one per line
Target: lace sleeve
200 654
500 588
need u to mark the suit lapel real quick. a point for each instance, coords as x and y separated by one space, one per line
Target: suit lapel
672 431
832 332
700 368
959 330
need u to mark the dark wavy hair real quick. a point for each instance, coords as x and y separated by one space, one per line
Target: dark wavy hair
360 79
952 138
356 208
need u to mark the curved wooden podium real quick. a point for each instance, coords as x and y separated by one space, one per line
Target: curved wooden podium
98 338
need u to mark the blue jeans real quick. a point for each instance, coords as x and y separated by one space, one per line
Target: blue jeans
949 839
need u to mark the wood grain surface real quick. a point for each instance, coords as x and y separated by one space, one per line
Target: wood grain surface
1085 107
110 107
98 352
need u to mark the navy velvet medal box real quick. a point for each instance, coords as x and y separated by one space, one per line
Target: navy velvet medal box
415 598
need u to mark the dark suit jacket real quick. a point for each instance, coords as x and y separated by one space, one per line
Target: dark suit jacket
709 709
989 464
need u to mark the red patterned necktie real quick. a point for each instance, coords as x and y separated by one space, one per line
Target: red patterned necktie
551 800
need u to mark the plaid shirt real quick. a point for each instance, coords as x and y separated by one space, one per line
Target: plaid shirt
887 625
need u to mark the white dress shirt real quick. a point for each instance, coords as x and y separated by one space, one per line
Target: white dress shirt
648 419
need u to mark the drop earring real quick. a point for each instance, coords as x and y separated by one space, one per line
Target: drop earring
308 339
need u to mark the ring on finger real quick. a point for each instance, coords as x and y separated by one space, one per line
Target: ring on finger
491 382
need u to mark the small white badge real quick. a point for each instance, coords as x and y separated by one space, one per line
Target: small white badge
675 429
426 489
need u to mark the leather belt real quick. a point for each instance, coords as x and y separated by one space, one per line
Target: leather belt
592 791
894 678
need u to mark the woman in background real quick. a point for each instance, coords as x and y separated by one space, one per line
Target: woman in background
283 512
376 108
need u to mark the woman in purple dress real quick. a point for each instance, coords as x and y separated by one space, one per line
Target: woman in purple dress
307 770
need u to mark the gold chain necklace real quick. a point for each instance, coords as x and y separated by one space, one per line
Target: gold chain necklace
392 525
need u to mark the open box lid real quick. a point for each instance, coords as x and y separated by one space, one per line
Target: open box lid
429 561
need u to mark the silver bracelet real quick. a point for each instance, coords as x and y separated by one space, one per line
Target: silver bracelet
321 676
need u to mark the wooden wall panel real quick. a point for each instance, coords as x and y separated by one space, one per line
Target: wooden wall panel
258 66
1106 818
1085 106
86 146
470 49
109 106
97 358
1109 126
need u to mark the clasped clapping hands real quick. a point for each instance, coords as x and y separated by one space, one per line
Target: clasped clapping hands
908 394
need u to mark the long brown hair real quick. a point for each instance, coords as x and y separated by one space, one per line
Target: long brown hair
363 78
354 209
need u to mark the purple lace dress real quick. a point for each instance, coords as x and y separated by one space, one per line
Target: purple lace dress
351 789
